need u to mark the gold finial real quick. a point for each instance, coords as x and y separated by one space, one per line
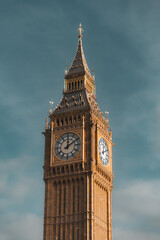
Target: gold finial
93 73
66 68
106 112
51 103
80 31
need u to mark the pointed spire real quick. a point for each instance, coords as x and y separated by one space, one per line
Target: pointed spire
79 65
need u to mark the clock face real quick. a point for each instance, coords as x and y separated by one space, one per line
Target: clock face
67 146
103 151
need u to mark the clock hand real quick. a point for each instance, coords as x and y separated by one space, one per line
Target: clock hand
104 152
70 144
67 142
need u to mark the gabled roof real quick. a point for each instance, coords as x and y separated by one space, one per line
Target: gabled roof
79 65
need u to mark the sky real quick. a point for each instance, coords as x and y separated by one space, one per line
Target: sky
121 41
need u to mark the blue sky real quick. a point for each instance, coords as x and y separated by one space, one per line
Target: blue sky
121 41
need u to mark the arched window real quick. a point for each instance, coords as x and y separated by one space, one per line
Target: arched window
78 199
55 198
70 119
59 199
73 199
64 206
59 233
63 231
72 232
77 234
67 169
66 120
71 168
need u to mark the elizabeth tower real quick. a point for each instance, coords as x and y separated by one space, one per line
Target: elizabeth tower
78 161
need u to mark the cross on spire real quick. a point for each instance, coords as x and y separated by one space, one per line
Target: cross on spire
80 31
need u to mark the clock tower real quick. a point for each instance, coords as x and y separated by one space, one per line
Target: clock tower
78 161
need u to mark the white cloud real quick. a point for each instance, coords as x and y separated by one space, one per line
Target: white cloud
136 205
16 186
21 226
17 190
119 234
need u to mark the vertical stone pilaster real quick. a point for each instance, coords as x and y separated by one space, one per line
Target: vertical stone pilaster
110 215
52 145
83 138
54 208
48 212
88 207
68 208
96 143
92 206
92 142
85 207
45 212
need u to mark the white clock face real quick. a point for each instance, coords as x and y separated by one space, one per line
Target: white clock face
103 151
67 146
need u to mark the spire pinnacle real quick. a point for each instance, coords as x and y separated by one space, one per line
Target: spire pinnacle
80 31
46 123
51 103
79 65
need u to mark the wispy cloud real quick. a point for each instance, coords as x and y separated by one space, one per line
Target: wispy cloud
136 209
18 187
119 233
21 226
16 184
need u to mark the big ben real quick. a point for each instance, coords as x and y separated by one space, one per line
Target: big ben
78 161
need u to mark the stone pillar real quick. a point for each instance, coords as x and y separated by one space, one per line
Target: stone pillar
52 145
96 143
45 212
83 140
110 215
92 142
